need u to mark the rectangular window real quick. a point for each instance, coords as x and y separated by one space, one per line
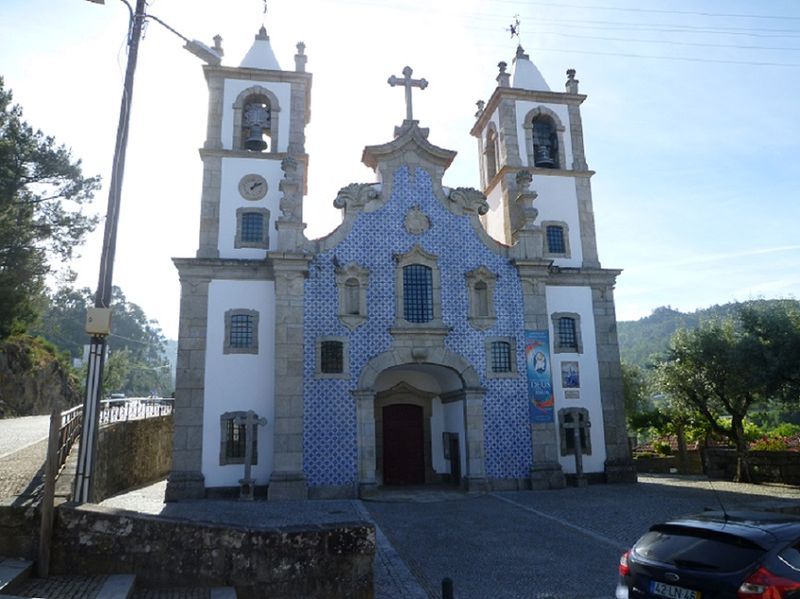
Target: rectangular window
567 338
234 440
555 240
417 293
241 331
252 227
501 356
331 357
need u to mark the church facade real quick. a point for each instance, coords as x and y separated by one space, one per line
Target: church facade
438 335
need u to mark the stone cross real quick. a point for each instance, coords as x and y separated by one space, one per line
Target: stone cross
250 421
408 83
575 426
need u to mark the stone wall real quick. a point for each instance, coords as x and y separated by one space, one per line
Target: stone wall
132 453
19 529
667 464
314 561
765 466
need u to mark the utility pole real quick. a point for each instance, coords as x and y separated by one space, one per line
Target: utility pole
99 320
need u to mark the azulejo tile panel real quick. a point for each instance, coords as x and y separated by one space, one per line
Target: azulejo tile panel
331 452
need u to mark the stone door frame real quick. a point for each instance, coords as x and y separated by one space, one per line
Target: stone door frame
365 395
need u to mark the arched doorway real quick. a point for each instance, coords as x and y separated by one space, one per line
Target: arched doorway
420 421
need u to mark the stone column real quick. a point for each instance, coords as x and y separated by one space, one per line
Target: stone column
288 481
209 205
365 421
186 479
473 426
546 471
619 466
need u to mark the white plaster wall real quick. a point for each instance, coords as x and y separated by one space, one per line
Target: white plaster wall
282 91
579 300
238 381
558 201
523 108
233 169
454 423
494 218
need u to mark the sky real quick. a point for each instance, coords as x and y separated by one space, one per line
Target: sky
692 121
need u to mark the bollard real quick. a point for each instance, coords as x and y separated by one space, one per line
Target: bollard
447 588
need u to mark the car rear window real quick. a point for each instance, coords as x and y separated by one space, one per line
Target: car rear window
697 549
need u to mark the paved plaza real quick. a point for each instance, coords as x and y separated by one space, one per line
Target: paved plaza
548 544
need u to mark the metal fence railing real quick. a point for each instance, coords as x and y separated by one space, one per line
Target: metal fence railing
133 408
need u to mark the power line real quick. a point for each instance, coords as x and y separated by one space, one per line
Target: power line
657 11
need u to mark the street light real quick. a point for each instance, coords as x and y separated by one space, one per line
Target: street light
98 319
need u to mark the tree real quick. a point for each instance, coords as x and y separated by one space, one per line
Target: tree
719 369
42 193
137 364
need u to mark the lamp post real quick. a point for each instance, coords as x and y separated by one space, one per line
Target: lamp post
98 319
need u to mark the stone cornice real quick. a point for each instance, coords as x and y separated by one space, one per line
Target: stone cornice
536 171
225 153
512 93
593 277
223 268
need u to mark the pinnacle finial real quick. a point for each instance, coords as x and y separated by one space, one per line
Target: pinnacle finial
262 34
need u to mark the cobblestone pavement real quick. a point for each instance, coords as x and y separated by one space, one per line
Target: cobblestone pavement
547 544
62 587
21 473
16 433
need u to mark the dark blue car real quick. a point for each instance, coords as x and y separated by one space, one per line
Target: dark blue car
715 555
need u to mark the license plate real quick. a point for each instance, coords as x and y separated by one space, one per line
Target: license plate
667 590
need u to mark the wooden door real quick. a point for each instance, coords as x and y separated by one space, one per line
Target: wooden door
403 445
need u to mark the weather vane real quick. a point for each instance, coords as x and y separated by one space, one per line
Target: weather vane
513 28
265 6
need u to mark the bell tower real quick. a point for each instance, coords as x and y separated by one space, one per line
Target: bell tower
239 327
526 126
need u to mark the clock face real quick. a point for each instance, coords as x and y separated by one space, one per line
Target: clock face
253 187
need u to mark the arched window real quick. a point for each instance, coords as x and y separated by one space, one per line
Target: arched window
490 153
417 293
256 113
545 143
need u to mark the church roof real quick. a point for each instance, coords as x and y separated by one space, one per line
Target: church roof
260 55
526 75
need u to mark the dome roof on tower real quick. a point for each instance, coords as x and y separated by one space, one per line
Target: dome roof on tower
526 75
260 55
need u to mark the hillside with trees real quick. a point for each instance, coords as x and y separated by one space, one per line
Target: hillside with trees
642 341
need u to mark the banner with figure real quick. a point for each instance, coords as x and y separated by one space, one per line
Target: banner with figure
540 380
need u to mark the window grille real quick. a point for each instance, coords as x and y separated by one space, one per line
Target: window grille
555 240
331 357
235 437
501 356
417 293
567 337
252 227
241 334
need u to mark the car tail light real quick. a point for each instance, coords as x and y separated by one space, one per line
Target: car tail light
763 584
624 564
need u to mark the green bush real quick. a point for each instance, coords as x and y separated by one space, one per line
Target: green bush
785 429
770 443
662 448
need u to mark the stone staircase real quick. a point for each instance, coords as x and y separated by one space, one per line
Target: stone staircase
17 582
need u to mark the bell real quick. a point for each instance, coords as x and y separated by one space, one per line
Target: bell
255 142
543 158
